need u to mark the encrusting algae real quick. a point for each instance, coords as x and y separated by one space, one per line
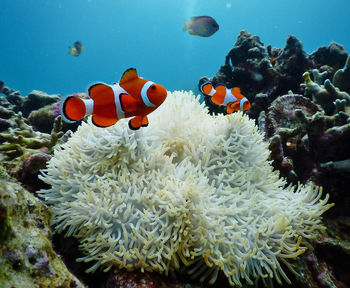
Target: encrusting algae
191 188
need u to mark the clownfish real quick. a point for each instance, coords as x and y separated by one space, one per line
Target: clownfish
133 97
220 95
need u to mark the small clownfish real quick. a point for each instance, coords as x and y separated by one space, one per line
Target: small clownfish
133 96
231 98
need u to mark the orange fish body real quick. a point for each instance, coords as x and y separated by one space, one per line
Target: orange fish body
133 97
231 98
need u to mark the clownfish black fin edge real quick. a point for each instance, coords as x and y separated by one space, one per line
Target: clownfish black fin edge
202 85
128 75
132 127
63 114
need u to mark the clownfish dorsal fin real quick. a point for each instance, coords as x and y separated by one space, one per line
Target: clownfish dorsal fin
128 75
236 91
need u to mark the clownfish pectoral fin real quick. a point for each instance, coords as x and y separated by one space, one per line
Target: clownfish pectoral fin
215 100
138 121
128 103
144 121
72 109
128 75
231 107
102 121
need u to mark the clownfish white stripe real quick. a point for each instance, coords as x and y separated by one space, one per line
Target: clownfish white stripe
117 90
229 98
144 94
212 91
89 106
241 103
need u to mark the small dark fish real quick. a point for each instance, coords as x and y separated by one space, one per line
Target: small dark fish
77 49
204 26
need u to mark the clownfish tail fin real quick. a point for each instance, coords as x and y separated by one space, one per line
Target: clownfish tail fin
73 108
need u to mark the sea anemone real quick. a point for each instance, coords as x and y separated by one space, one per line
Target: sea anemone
189 189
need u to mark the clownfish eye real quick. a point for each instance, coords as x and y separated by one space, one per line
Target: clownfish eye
153 87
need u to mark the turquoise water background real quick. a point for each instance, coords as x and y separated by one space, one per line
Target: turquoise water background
147 35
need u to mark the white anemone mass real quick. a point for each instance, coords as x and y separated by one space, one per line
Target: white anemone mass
189 189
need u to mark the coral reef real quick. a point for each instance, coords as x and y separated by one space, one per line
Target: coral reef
259 69
43 118
334 55
308 145
23 138
6 118
324 95
29 171
142 280
26 255
326 265
194 190
341 78
303 143
306 125
286 134
33 101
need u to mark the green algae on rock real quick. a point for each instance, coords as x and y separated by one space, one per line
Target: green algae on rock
191 189
27 259
23 138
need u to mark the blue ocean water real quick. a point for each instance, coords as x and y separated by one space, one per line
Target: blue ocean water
147 35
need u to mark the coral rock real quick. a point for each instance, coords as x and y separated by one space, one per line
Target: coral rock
36 100
42 119
2 85
143 280
26 255
324 95
257 69
23 138
30 169
281 113
341 78
333 55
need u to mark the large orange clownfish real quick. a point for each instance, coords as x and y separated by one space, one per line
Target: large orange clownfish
133 97
231 98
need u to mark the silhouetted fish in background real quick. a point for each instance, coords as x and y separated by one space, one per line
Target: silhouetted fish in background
77 49
204 26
